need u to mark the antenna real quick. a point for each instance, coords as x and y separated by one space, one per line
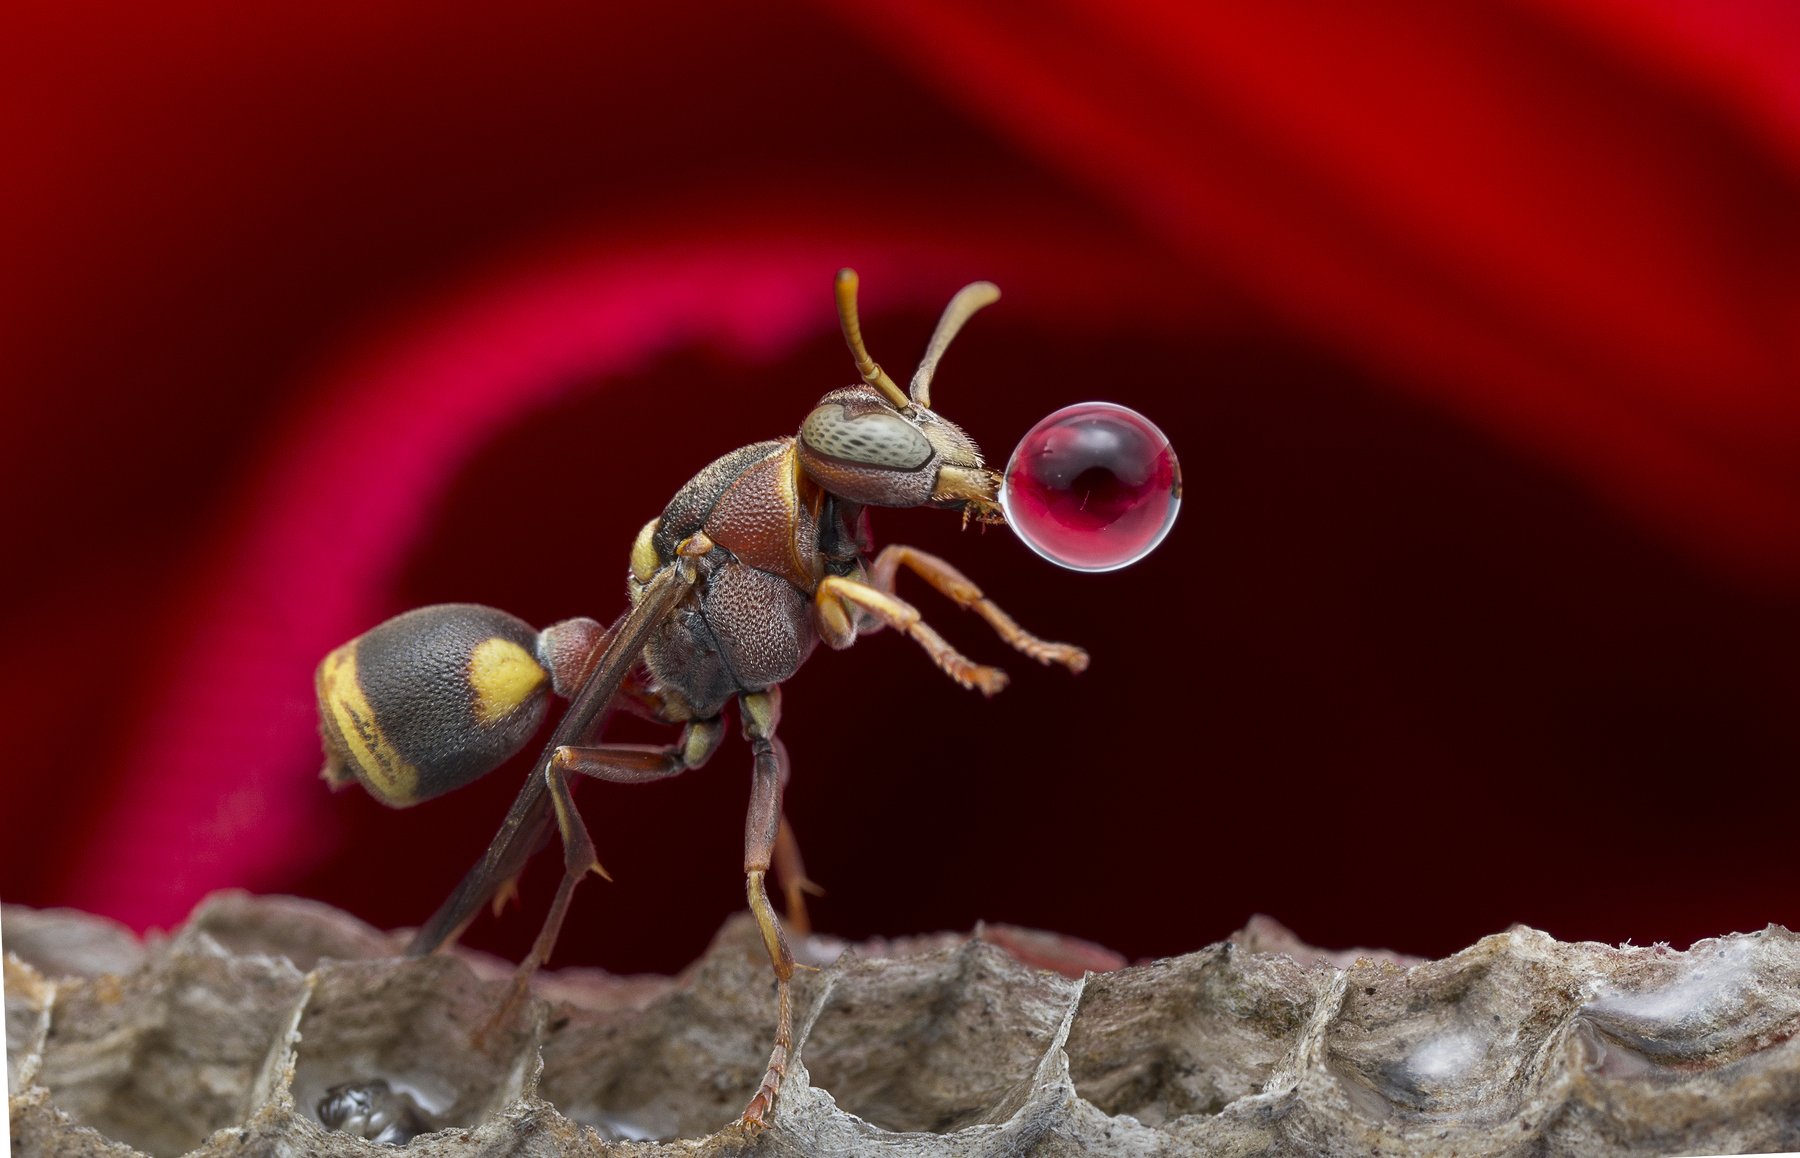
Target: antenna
962 307
872 374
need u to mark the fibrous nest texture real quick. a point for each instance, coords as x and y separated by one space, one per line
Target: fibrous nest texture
262 1021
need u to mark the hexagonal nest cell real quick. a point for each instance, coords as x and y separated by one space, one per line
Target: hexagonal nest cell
277 1026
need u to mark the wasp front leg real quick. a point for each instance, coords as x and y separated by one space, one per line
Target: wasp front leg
961 590
839 600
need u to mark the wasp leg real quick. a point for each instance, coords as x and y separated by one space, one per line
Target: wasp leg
506 895
642 763
790 871
637 696
839 598
957 587
621 764
760 712
527 823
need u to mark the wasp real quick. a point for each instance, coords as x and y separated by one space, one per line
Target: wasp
764 555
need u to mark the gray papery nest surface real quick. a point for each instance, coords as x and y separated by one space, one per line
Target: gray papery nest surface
237 1033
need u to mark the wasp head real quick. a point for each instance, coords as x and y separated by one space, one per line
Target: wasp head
875 444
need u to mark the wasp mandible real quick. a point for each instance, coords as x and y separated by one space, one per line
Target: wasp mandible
759 558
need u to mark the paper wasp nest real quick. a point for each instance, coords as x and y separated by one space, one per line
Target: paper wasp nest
228 1038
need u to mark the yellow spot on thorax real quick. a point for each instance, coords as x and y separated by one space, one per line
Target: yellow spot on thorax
644 563
503 676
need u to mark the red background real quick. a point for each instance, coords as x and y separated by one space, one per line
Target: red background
1475 326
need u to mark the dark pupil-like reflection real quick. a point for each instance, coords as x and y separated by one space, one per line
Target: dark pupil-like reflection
1101 495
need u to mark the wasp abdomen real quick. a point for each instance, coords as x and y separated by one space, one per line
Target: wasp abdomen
430 700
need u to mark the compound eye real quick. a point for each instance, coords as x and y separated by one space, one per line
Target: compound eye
873 438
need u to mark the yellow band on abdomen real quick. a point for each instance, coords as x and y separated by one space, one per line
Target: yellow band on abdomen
373 758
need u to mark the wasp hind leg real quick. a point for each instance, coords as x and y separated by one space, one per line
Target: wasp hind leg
790 873
620 764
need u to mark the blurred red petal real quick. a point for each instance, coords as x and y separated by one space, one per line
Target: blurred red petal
1530 227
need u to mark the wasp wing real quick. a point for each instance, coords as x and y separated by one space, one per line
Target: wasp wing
527 824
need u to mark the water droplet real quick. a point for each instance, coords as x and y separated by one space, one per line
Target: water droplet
1093 487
